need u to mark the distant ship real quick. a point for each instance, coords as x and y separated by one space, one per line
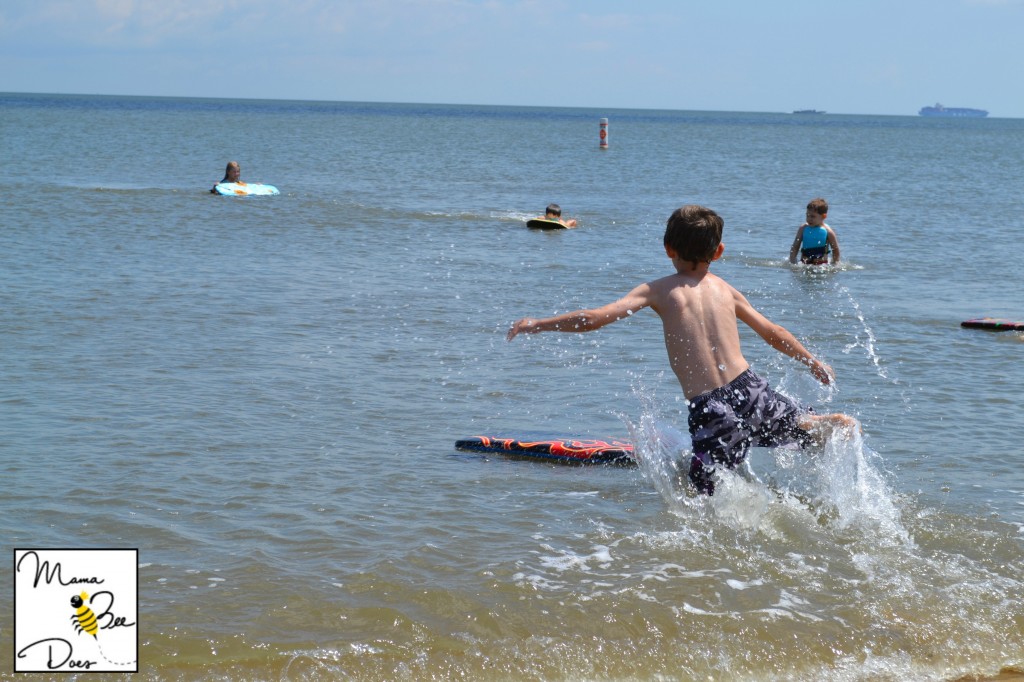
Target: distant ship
808 111
953 112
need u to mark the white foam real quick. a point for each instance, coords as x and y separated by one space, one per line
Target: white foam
568 560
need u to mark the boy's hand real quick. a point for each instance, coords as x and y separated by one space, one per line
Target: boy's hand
522 325
822 372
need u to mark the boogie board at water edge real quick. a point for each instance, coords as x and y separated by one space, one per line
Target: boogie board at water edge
245 189
563 450
995 324
541 224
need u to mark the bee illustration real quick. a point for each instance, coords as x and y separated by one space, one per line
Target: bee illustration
84 619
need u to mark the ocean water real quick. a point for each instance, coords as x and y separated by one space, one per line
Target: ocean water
262 394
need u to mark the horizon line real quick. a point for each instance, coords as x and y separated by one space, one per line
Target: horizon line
447 104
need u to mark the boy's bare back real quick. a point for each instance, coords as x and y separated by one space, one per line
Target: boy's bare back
698 316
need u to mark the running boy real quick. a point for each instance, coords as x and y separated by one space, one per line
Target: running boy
814 239
731 408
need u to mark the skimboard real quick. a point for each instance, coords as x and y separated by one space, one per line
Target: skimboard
541 224
563 450
245 189
995 324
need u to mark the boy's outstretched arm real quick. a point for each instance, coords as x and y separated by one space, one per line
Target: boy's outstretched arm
585 320
780 338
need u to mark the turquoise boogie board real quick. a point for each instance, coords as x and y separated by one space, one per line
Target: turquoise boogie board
245 189
542 224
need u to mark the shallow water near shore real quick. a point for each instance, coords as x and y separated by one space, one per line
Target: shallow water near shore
262 394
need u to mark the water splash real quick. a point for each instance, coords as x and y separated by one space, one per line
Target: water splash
741 499
662 453
842 484
845 485
867 341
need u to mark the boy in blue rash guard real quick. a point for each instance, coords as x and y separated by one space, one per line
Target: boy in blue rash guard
814 239
731 408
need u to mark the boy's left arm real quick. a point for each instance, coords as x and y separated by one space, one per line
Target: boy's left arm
833 242
780 338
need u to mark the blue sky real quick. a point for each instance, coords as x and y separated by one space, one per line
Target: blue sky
854 56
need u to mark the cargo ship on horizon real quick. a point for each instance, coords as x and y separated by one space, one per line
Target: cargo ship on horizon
952 112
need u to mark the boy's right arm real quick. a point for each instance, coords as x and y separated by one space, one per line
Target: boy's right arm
585 320
794 250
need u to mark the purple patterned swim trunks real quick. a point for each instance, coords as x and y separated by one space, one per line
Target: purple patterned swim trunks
727 421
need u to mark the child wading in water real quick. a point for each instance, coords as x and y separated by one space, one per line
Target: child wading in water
731 408
814 239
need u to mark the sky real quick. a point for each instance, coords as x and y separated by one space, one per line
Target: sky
850 56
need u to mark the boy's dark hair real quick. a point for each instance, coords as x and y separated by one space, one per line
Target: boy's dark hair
819 206
554 209
694 233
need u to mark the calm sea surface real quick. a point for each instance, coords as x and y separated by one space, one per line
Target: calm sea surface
262 394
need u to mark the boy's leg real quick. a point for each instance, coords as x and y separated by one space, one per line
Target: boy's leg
820 427
701 474
721 428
